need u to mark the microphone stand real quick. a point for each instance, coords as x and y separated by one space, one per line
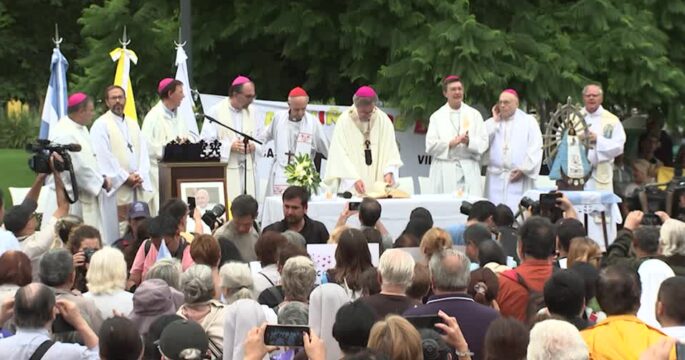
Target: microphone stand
246 141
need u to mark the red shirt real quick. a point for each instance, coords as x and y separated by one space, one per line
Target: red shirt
512 297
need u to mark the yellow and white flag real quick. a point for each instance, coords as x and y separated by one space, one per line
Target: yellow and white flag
124 57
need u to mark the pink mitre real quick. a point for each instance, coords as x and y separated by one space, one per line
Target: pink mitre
511 91
451 77
76 98
365 92
163 83
240 80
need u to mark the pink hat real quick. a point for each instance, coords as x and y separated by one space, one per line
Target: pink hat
76 98
240 80
365 92
511 91
163 83
451 77
298 91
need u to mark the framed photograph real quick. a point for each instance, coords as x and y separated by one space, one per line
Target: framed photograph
206 193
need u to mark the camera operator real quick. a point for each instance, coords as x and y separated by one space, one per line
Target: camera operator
480 212
20 219
83 242
91 182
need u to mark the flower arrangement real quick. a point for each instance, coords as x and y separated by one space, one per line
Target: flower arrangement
302 172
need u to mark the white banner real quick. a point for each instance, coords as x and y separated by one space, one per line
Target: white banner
412 145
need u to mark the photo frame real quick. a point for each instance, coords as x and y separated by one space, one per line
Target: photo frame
207 192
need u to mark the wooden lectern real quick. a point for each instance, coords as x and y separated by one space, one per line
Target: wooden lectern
172 174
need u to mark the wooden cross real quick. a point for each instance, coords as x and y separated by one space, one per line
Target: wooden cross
290 154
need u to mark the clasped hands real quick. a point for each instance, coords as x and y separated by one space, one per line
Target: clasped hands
239 147
460 139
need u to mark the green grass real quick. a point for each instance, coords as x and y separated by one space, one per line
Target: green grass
14 172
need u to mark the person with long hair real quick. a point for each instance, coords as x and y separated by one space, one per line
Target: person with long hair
352 258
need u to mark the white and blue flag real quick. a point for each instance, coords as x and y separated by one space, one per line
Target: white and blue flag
55 106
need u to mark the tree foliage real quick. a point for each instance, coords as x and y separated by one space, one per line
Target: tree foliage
545 49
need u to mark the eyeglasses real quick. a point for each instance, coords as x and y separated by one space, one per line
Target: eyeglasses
120 97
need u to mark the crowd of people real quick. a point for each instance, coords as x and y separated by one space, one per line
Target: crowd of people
550 293
125 274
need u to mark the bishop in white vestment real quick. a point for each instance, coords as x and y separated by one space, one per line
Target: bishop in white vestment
515 155
96 204
122 152
161 125
456 140
607 138
363 149
295 132
235 112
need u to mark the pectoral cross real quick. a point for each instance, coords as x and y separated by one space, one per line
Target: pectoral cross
130 147
367 153
290 154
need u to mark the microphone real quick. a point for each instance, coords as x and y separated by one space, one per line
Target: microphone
345 195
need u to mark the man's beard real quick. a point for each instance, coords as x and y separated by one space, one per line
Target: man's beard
292 219
118 110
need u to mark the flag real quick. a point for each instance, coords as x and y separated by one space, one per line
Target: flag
185 111
163 252
55 105
124 57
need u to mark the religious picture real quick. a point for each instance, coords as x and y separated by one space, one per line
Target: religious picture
206 194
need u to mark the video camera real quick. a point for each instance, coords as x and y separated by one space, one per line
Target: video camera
546 206
42 149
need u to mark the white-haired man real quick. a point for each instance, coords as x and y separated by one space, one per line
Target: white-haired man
606 136
515 151
395 273
363 150
294 132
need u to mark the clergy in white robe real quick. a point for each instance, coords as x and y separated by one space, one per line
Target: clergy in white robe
363 150
161 125
96 204
456 140
515 155
607 138
235 112
294 132
122 152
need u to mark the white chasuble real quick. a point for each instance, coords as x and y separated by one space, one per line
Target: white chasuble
456 168
160 127
347 161
611 138
515 144
95 206
238 163
292 138
122 151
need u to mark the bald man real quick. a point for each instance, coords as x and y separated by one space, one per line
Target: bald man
515 151
294 132
607 139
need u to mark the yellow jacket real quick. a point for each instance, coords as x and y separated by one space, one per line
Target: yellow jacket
621 337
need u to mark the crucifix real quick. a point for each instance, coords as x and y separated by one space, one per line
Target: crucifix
130 147
367 152
290 154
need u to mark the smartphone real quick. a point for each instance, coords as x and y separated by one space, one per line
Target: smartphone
285 335
191 205
354 205
679 351
549 207
425 322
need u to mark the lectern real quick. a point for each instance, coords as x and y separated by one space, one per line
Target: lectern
173 174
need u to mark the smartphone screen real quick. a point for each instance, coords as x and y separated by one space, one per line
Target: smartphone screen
191 205
549 207
285 335
354 205
425 321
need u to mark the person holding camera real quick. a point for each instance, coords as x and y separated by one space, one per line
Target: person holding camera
57 271
83 242
21 222
95 205
35 309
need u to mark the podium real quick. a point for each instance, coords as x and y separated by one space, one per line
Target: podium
173 175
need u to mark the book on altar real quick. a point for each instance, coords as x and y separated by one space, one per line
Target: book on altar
381 190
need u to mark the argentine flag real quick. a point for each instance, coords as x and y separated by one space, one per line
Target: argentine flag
55 105
163 252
